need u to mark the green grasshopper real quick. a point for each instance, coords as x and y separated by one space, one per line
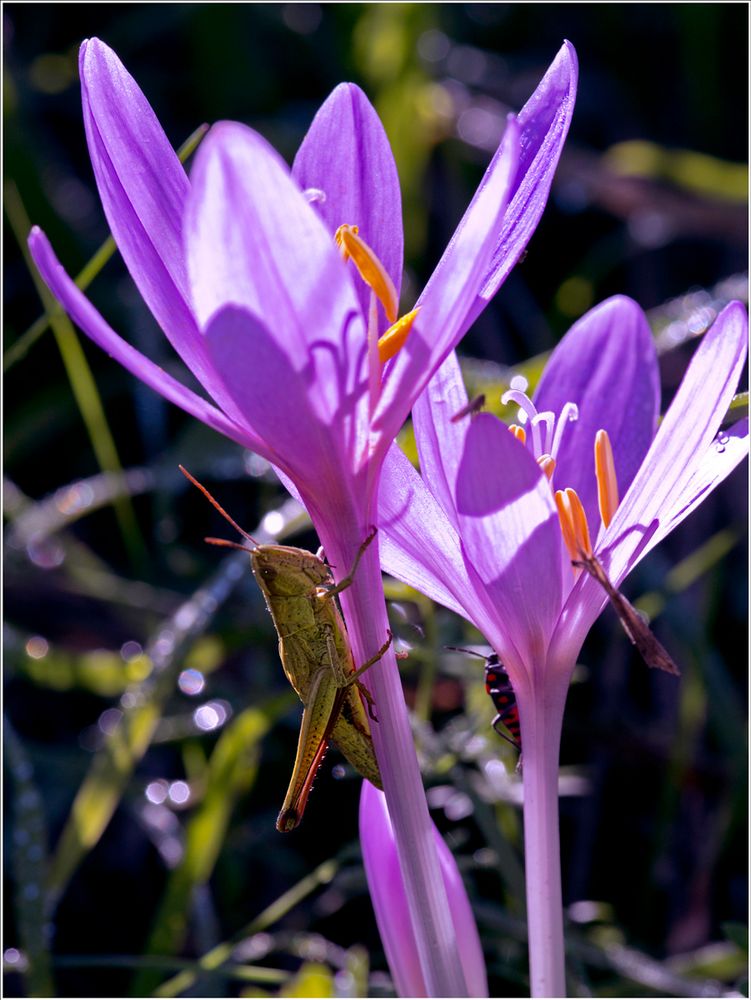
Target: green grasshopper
317 659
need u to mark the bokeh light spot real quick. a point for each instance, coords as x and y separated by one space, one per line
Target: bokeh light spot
156 791
574 296
37 647
130 650
303 18
179 792
191 682
210 716
273 522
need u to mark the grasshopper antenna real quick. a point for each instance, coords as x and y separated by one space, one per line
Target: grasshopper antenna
227 544
215 503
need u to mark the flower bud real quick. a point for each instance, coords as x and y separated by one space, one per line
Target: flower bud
392 911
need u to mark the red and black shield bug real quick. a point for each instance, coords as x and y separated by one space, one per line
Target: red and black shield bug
498 686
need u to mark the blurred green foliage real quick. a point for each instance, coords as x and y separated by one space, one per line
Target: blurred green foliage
151 731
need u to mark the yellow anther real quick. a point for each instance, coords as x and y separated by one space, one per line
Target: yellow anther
567 528
372 271
607 484
573 523
395 337
519 433
341 236
547 464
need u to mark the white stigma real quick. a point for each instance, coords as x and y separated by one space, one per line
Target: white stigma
546 431
568 415
315 195
527 407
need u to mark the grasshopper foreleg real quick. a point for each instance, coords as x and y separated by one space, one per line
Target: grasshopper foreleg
346 581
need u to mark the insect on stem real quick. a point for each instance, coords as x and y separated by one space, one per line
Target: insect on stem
316 656
473 406
501 693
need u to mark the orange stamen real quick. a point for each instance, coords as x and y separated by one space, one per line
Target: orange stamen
574 525
395 337
607 484
353 247
519 433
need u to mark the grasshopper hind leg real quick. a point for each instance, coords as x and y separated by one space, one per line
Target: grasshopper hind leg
353 678
368 699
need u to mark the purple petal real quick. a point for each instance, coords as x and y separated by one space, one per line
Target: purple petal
144 189
91 322
389 900
452 288
607 365
544 122
417 544
440 442
275 400
509 528
727 451
254 241
683 440
346 156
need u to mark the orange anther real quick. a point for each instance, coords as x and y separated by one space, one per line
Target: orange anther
395 337
353 247
607 484
574 525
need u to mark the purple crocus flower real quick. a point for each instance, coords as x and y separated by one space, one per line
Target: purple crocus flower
483 533
279 290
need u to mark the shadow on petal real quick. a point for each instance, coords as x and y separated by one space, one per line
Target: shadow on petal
275 399
510 533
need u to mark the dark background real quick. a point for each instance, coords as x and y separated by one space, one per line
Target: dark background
654 833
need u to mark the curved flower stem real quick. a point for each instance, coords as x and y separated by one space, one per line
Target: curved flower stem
541 715
365 614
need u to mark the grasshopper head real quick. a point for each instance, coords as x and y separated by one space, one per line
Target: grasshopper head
284 571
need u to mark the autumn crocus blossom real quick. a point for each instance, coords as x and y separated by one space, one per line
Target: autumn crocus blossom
492 527
279 290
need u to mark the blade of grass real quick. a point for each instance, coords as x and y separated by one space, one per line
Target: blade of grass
58 510
28 854
100 672
244 973
82 384
231 772
632 965
215 959
688 571
86 275
82 571
113 766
